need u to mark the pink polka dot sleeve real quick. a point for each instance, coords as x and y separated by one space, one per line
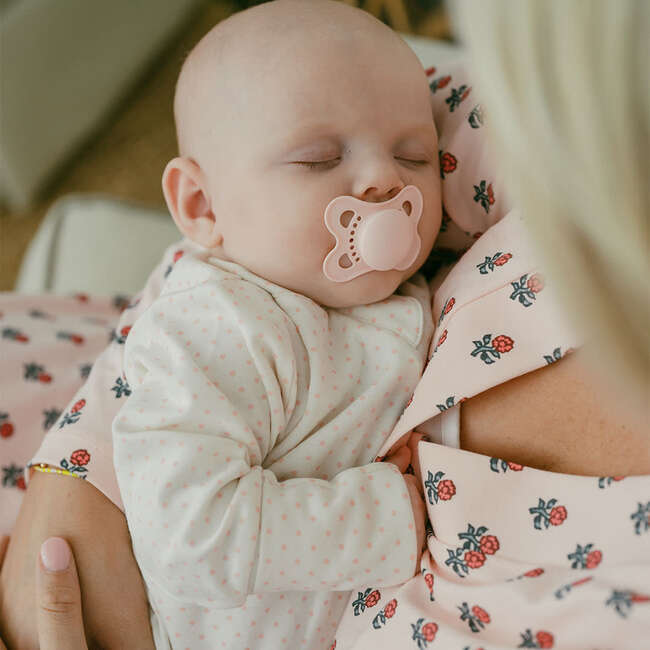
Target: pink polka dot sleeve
210 398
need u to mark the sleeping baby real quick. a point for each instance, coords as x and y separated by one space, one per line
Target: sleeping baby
271 369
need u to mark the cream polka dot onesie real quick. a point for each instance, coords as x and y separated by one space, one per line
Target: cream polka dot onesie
244 455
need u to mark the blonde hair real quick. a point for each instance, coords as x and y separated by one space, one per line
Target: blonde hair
567 97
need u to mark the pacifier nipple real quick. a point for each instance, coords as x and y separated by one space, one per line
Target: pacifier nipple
373 236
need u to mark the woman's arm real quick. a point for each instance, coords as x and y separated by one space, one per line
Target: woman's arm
559 419
115 607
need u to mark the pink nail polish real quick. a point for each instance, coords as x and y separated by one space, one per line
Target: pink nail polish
55 554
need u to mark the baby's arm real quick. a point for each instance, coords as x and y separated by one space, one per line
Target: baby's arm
209 524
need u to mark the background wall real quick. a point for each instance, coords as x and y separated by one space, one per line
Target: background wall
127 154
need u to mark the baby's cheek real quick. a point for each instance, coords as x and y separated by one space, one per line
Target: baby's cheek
431 221
318 240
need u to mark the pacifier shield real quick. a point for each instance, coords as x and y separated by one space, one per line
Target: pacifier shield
373 236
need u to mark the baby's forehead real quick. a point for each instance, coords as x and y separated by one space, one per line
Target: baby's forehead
299 52
290 33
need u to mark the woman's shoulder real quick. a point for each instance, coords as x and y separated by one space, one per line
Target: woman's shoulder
557 418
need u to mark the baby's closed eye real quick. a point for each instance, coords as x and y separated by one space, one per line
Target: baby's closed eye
328 164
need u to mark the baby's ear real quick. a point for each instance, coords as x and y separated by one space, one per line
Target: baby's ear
188 201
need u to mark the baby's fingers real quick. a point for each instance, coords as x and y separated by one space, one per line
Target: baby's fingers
413 442
401 458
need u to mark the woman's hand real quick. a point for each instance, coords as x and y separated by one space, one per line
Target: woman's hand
60 625
113 598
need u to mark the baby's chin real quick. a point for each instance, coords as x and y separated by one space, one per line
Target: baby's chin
363 290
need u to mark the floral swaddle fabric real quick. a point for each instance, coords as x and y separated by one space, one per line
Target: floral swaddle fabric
516 557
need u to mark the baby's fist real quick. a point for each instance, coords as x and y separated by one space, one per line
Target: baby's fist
419 514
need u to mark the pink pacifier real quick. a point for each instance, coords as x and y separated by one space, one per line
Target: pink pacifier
372 236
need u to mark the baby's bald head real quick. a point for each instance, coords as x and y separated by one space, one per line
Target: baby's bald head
281 108
249 55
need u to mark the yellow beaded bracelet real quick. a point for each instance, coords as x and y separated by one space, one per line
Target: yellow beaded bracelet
42 467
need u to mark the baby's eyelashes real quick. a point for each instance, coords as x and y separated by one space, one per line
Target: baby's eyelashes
323 164
328 164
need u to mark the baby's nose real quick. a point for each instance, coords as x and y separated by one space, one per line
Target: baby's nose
375 195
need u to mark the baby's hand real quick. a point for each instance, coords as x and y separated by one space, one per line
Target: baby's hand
407 455
419 513
401 458
412 444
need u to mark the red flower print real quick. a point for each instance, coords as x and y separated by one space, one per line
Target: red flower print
20 483
617 478
489 350
476 619
428 578
45 378
544 639
639 598
535 283
448 162
443 81
369 598
533 573
125 330
484 195
430 71
429 631
382 617
81 297
6 429
593 559
490 194
502 343
449 306
497 259
446 489
497 464
178 255
489 544
546 514
21 338
481 614
474 559
373 598
557 516
76 339
500 261
436 488
442 339
77 407
333 646
80 457
472 554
